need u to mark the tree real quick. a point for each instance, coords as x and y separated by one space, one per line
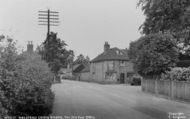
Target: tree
2 37
82 59
153 54
88 59
70 57
164 15
171 16
54 52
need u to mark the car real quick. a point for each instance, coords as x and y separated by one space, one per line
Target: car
136 80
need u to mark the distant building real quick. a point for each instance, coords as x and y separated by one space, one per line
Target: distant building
79 69
113 65
85 73
30 47
65 72
29 50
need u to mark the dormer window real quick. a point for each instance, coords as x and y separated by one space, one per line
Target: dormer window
118 52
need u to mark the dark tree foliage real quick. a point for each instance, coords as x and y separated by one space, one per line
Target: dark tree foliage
165 15
171 16
54 52
153 54
81 59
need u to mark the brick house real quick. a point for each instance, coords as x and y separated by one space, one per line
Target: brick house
113 65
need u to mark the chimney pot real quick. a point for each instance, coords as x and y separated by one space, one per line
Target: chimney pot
106 46
30 47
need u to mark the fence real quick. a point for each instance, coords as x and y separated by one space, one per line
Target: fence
173 89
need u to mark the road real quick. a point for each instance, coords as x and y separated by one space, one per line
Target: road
73 98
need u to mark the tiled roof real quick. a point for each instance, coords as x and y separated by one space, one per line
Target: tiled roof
78 68
86 69
112 54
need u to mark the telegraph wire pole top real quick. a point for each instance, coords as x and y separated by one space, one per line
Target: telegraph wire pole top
48 18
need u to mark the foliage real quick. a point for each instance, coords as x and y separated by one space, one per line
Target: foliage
183 63
82 59
53 51
177 74
25 82
153 54
171 16
165 15
71 56
2 37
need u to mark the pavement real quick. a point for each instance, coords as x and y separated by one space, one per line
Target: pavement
82 100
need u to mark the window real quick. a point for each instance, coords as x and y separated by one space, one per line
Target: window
118 52
110 65
122 63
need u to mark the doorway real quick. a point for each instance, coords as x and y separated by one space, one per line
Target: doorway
122 78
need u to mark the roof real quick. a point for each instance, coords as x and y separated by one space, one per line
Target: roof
78 68
81 68
86 69
112 54
75 66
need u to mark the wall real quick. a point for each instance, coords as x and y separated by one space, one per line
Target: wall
85 76
172 89
98 71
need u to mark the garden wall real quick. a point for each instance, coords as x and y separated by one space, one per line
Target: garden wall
178 90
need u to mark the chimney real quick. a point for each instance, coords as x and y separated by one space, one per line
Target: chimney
106 46
30 47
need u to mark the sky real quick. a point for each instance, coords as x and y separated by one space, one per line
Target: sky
84 25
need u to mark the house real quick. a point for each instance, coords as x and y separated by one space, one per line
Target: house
85 73
30 47
78 70
113 65
65 73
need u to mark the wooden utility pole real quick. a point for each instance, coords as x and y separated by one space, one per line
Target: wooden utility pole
48 18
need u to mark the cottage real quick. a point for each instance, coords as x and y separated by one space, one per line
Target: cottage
85 73
78 70
65 73
113 65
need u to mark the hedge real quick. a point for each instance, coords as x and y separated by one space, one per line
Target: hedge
25 84
177 74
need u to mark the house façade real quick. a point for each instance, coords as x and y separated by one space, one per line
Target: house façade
111 66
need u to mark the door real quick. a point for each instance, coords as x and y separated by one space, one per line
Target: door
122 78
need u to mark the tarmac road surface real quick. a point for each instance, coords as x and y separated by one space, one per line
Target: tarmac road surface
82 100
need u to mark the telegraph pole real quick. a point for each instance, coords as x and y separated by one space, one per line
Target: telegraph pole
48 18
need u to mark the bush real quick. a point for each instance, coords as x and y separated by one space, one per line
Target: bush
177 74
35 95
25 84
2 111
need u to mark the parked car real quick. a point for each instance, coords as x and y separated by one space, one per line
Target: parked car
136 80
